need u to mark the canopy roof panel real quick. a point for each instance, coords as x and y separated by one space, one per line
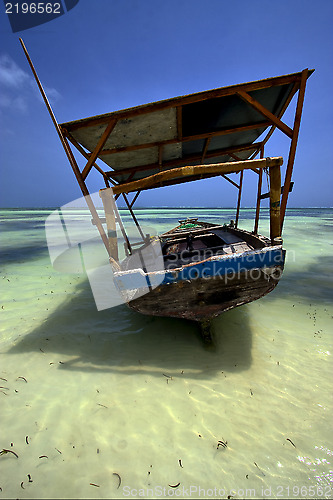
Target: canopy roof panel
215 126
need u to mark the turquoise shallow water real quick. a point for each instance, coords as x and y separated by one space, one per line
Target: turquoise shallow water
113 404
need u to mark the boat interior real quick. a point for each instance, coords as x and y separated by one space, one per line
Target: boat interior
182 245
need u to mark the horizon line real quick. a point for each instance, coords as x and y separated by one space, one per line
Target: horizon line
161 207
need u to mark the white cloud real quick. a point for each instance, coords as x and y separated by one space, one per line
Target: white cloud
52 94
11 75
14 103
17 86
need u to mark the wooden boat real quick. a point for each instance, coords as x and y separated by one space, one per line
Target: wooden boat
207 268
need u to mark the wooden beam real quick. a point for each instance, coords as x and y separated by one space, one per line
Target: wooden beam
239 197
157 180
179 123
62 138
188 138
84 153
135 198
133 215
182 161
235 157
266 195
286 104
112 181
274 205
259 146
160 156
183 100
98 148
205 148
259 107
87 197
130 177
191 178
68 151
293 145
230 180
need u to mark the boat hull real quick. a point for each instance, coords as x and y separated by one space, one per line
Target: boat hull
220 285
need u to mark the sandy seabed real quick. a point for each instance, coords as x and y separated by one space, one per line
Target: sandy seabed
113 404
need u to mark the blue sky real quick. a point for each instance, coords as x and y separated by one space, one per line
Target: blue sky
105 55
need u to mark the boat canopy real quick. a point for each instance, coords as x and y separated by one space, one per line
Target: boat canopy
210 133
212 127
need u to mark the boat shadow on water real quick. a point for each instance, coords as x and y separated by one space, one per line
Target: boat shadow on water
78 337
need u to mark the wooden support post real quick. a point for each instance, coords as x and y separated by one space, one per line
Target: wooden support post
274 210
135 198
68 152
128 248
239 196
293 145
133 216
256 222
206 331
105 195
86 155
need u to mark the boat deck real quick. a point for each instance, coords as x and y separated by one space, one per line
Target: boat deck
180 251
